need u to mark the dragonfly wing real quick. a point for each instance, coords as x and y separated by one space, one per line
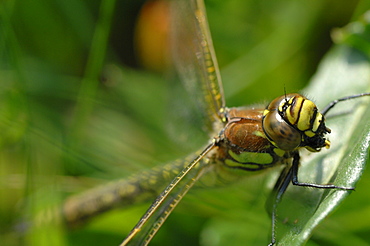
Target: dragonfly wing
194 57
162 207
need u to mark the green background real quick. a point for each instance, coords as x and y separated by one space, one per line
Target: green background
77 110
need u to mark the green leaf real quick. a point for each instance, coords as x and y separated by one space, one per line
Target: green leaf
345 71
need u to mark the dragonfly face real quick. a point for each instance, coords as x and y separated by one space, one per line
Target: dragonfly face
293 121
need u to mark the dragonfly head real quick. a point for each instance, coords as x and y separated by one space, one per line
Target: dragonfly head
292 121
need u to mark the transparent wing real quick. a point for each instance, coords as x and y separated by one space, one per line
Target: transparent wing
161 208
194 57
137 189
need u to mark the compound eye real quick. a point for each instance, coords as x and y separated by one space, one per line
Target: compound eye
283 135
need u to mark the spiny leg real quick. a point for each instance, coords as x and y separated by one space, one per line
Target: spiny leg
333 103
295 181
275 197
290 174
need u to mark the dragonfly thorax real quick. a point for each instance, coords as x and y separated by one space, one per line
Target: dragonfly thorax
292 121
244 144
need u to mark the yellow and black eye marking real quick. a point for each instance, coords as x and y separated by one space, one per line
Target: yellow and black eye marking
285 119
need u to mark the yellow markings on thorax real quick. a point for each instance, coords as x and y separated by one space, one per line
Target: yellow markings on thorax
279 152
260 134
250 157
309 133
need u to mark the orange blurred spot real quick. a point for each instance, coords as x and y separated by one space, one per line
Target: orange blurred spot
151 35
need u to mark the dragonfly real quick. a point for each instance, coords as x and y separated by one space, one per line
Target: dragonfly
244 141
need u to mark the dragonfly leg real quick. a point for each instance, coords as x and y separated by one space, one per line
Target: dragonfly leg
333 103
277 193
290 174
295 181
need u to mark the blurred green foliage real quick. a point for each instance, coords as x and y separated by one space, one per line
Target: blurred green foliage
76 111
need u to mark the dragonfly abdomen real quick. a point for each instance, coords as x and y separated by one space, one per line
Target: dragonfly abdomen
139 188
